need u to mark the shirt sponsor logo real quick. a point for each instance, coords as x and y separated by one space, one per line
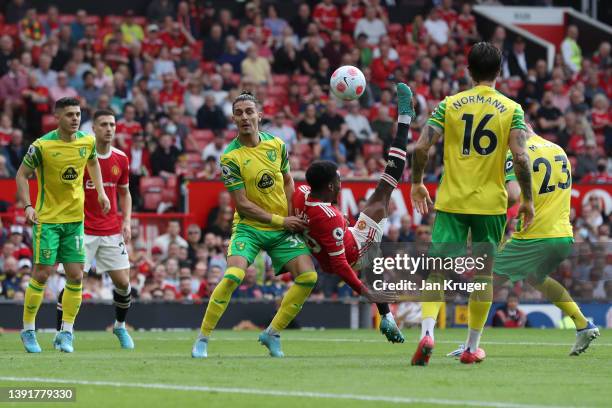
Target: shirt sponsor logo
69 174
265 181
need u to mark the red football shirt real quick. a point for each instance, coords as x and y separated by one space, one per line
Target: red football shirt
115 173
326 15
329 239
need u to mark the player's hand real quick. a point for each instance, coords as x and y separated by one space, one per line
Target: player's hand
294 224
377 296
526 213
31 216
420 198
126 231
104 203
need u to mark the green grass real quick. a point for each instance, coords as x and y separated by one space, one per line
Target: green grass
520 369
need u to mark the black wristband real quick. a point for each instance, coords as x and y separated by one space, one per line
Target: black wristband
26 207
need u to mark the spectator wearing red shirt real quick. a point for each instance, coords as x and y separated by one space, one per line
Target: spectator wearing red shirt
326 16
601 176
127 127
385 100
466 23
90 43
351 13
152 44
510 315
383 66
447 13
172 92
600 115
175 36
37 103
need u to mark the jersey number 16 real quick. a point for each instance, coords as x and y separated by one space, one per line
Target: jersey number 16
479 134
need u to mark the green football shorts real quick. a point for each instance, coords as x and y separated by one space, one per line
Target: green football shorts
522 258
282 246
450 233
54 243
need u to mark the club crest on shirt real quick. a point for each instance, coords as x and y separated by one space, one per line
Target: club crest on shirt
46 253
82 151
115 170
271 155
240 245
361 225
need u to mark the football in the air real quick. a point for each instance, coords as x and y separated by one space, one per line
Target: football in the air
347 83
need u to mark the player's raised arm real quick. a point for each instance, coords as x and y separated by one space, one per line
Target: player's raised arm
93 167
419 194
522 170
23 192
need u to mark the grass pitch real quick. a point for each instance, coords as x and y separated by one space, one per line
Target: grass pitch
331 368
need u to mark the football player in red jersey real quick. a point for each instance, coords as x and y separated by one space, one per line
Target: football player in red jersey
341 249
105 234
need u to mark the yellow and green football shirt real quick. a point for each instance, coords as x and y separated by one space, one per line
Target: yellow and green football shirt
552 191
259 170
59 168
476 125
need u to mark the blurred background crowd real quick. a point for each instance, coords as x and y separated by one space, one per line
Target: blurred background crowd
170 76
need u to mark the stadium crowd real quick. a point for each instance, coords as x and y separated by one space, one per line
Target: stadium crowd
171 75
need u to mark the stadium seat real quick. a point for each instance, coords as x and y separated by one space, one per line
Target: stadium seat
302 80
151 185
111 18
230 134
370 149
204 135
151 201
172 182
280 80
48 123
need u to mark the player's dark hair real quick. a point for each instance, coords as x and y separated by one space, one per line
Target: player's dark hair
245 96
484 62
103 112
320 174
65 102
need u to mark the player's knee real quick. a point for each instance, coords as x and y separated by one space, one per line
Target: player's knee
41 273
307 278
235 274
122 281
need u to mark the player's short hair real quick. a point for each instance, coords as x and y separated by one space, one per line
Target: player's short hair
103 112
245 96
484 62
320 174
65 102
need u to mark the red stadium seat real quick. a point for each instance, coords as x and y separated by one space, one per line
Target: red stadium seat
372 150
48 123
112 18
170 195
230 134
141 20
151 201
95 20
67 18
204 135
172 182
280 80
151 185
302 80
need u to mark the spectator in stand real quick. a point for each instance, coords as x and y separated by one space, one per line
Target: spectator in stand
370 25
286 59
249 289
224 203
193 98
222 225
132 32
194 238
90 92
5 170
12 85
12 281
172 236
232 55
437 28
587 161
601 176
31 31
333 149
210 115
62 89
405 231
309 129
510 315
466 24
383 66
300 22
216 89
352 145
550 118
601 115
326 16
7 53
163 159
310 55
215 148
157 10
358 122
335 49
214 44
571 51
256 67
16 150
273 22
37 103
515 64
280 129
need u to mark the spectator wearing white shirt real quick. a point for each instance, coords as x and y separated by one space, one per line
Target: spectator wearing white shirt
281 130
358 123
46 76
62 89
571 51
171 236
437 28
215 148
386 40
371 26
216 89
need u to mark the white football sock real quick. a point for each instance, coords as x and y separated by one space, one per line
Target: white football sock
29 326
406 119
473 340
67 326
427 327
119 325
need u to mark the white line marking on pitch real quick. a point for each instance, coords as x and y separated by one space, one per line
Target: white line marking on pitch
278 393
332 340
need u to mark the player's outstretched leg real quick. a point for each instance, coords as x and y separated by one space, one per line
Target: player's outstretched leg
586 331
219 300
290 306
58 319
122 298
388 327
